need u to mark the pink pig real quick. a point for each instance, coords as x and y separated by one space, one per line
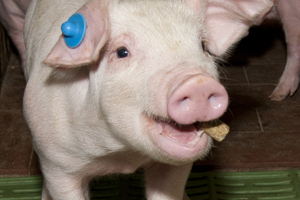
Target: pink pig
288 13
132 93
12 14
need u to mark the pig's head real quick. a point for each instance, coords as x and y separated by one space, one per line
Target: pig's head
151 80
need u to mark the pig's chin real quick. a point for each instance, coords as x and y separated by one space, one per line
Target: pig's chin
181 142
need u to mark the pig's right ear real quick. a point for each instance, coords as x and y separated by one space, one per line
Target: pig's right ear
226 22
96 16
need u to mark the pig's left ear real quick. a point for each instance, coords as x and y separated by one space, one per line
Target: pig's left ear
96 17
228 21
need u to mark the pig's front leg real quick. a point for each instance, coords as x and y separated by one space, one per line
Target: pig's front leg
166 182
288 83
62 186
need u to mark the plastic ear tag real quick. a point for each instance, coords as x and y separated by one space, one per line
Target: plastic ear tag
74 30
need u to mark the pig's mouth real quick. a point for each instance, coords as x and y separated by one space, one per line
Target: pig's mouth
186 135
181 142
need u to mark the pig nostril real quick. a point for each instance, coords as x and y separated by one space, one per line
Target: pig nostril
184 98
214 100
184 101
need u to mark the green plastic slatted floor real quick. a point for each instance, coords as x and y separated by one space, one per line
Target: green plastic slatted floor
279 185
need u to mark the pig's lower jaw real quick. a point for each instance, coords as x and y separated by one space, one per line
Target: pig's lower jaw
179 142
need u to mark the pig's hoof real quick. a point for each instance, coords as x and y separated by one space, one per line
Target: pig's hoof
286 86
281 92
277 97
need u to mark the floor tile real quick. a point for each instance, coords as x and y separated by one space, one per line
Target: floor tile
15 155
242 111
34 168
264 74
283 116
11 97
14 76
263 45
256 150
13 124
233 75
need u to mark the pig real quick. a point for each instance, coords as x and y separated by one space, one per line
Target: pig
12 14
288 13
133 94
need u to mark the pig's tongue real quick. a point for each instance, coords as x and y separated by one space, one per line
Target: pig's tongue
186 135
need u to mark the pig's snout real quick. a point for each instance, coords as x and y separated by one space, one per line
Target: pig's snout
197 98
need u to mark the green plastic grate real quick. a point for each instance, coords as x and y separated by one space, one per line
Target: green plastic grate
25 188
278 185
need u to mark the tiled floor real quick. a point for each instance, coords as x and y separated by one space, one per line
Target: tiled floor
16 153
264 134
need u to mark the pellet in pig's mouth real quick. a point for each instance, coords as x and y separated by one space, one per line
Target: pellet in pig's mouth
187 135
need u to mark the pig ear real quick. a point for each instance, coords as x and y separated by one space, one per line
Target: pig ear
228 21
96 35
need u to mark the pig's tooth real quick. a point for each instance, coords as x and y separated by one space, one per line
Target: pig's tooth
199 133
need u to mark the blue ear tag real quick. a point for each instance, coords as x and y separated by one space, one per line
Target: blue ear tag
74 30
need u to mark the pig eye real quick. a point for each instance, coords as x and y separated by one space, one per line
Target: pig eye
122 52
203 46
